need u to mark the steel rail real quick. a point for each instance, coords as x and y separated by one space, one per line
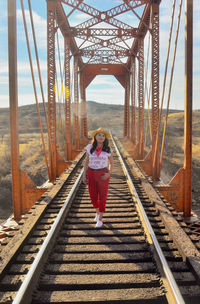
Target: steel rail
23 294
165 268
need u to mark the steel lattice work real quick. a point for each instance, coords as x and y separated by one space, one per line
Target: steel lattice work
93 32
141 99
105 45
155 84
133 101
51 88
67 93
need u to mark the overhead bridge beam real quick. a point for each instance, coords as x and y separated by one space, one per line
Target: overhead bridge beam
115 11
93 32
104 53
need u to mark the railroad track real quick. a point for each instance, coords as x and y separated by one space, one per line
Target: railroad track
74 262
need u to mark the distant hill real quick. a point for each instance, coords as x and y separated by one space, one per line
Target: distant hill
99 114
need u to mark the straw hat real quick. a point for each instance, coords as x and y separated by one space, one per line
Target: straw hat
101 130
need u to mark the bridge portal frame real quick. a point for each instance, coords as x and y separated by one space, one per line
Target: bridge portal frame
179 191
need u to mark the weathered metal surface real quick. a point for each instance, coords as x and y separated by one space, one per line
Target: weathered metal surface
51 89
188 108
68 141
13 100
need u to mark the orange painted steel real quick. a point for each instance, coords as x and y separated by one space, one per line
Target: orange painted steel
24 191
155 90
188 107
94 32
104 57
127 106
76 106
133 102
179 190
84 128
68 140
13 99
51 88
141 101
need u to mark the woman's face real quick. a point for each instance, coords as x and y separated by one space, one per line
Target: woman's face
100 137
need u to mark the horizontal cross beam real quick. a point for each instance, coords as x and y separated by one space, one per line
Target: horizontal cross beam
104 53
94 32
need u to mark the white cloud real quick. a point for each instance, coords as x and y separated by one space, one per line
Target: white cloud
113 95
40 26
23 99
23 67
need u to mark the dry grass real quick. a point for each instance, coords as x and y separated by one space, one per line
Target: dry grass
99 115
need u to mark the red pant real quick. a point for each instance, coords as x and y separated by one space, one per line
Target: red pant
98 188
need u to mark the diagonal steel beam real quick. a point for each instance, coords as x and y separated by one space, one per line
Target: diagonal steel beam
128 4
100 46
94 32
115 11
108 16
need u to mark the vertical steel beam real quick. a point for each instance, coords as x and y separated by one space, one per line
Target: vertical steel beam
84 128
13 98
141 99
51 88
133 105
188 106
125 112
128 103
155 89
127 106
76 105
68 141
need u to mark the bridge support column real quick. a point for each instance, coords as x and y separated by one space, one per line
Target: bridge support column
13 89
51 89
56 163
133 107
127 107
68 141
76 105
151 162
140 145
155 90
188 107
84 128
179 190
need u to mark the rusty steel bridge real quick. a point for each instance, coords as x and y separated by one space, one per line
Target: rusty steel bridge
103 51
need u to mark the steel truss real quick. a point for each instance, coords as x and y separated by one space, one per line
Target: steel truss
127 106
68 142
104 53
133 101
155 88
51 88
141 100
80 5
76 105
84 128
107 32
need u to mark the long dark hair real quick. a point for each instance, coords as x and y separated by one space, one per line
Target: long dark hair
105 148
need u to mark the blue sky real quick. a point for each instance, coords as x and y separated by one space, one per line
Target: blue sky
104 89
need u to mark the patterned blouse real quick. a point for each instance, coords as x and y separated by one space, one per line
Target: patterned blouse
98 162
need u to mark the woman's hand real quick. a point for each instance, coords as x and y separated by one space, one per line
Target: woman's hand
105 176
84 179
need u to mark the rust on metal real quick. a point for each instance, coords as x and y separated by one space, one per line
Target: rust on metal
13 99
103 51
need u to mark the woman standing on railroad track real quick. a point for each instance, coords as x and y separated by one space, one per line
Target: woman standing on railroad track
98 166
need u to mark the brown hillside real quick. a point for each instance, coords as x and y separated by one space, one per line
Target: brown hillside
104 115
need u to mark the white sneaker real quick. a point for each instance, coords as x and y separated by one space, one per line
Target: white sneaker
96 217
99 224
